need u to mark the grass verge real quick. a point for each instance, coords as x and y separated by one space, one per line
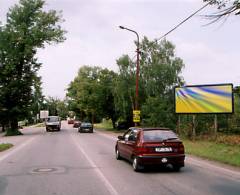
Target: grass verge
5 146
107 126
39 125
229 154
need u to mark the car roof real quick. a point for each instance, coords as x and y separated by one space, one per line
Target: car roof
149 128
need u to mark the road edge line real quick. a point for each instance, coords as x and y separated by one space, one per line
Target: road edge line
217 168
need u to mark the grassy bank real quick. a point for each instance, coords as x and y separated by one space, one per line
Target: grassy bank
229 154
39 125
5 146
107 126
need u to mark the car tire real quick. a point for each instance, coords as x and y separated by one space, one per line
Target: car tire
135 165
176 168
118 155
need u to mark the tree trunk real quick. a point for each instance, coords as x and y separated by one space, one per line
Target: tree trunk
13 129
92 117
3 127
113 123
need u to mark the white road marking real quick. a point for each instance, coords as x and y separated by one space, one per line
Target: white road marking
107 136
108 185
14 150
203 164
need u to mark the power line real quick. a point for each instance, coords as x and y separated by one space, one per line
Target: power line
184 21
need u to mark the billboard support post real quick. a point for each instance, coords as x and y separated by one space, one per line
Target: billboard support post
178 124
194 127
215 125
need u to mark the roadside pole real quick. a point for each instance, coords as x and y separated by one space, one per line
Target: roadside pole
194 127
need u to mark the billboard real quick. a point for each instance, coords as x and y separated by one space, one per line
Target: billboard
197 99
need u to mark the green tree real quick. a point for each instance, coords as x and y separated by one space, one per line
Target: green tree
84 91
56 107
107 107
124 90
37 99
161 70
91 93
28 28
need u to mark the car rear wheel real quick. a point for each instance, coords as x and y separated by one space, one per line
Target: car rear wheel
176 168
118 156
135 165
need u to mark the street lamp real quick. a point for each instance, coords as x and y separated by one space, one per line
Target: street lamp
137 71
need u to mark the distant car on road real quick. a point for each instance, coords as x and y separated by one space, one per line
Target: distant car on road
150 146
53 123
85 127
70 121
76 124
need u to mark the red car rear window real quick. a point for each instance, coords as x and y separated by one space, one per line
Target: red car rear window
158 135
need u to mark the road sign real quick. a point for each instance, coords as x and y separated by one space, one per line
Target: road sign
136 116
137 112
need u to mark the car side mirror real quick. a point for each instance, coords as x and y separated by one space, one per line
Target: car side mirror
120 137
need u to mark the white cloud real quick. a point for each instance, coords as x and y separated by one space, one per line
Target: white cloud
210 53
205 65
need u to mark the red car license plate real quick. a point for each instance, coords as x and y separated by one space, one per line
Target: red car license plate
163 149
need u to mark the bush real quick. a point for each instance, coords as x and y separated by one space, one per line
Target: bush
229 139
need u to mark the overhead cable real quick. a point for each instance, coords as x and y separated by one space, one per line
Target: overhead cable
184 21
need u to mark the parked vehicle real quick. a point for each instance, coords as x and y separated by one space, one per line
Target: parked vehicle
53 123
150 146
86 127
76 124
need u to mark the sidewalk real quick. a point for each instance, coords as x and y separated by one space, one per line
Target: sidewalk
28 132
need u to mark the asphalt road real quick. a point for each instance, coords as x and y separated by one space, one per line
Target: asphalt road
70 163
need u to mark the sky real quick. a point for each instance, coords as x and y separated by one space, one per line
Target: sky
210 52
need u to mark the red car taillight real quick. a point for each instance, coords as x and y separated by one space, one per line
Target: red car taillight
181 148
141 149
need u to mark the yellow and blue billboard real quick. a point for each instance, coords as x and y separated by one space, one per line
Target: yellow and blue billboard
198 99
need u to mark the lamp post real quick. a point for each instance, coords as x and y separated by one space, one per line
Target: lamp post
137 70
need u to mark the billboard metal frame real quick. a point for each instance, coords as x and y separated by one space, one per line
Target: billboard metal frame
207 85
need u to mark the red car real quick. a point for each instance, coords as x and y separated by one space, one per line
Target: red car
150 146
70 121
76 124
